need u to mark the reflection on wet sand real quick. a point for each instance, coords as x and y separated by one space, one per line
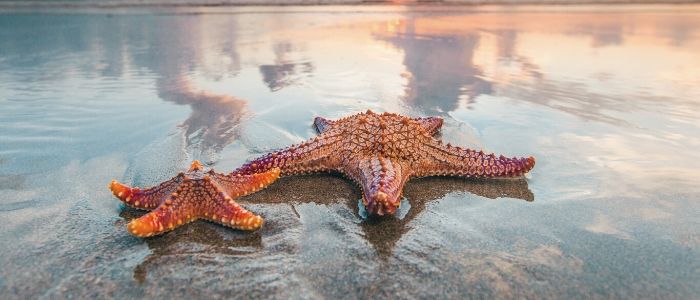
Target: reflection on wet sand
194 241
213 123
449 59
207 238
381 233
182 50
608 99
283 72
440 67
443 70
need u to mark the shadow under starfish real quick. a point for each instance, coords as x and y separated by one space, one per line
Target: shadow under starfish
200 239
382 233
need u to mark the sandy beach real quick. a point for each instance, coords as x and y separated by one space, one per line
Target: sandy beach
605 97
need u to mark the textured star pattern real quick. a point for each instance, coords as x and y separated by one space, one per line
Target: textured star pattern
381 152
194 195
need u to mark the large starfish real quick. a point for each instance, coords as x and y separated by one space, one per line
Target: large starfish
194 195
381 152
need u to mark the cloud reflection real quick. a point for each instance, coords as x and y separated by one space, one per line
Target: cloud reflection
180 54
455 57
213 123
440 67
284 72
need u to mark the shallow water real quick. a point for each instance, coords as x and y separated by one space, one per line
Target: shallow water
606 98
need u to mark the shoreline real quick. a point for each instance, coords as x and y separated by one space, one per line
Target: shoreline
343 7
330 3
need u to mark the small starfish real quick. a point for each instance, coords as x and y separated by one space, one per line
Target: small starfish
381 152
194 195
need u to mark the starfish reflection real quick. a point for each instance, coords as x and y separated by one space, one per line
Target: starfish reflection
383 233
199 239
202 239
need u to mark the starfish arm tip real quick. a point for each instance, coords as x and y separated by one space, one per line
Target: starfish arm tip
322 124
266 178
253 223
196 165
245 221
159 221
119 190
140 229
530 164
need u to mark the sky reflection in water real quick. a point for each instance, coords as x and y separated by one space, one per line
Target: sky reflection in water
607 102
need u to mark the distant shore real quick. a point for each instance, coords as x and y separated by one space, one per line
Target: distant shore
232 3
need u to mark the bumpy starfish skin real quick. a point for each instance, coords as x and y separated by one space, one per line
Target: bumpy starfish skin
381 152
194 195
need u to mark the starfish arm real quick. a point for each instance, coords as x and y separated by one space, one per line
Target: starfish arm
237 185
313 156
231 214
431 125
148 198
440 159
322 124
382 180
166 217
217 206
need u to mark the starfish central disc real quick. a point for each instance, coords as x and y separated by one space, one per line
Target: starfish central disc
193 195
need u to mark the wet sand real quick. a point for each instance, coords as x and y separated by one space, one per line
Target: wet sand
605 99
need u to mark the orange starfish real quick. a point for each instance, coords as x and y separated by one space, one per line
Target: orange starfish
381 152
194 195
